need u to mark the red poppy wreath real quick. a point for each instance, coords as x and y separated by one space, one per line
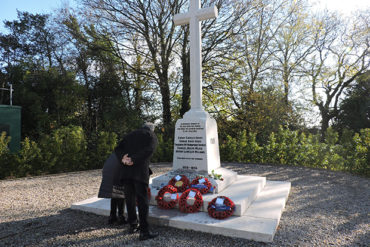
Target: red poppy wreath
180 182
185 207
221 207
202 184
161 202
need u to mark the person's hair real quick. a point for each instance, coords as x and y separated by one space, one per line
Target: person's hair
149 125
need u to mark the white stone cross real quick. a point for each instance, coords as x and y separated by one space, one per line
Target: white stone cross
193 18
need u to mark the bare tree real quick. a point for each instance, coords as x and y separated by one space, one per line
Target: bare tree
293 42
341 55
217 35
151 23
248 62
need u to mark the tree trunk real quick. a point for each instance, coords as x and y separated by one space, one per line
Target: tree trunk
185 100
325 118
166 111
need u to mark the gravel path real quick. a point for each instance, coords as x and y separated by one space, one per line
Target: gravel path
324 209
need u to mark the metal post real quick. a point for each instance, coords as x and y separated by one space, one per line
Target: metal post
11 94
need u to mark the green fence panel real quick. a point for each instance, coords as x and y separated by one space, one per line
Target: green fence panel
10 122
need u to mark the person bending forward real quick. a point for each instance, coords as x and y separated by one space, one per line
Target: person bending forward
135 151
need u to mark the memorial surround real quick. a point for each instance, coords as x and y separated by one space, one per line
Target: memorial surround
258 203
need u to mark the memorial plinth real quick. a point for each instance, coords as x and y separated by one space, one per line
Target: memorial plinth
196 145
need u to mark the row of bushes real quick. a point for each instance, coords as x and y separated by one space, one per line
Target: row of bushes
68 149
350 153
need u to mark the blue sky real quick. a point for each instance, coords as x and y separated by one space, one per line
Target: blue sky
8 8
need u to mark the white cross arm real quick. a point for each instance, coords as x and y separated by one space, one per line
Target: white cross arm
201 15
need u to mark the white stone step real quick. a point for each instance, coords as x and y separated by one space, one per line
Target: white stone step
242 192
246 227
258 223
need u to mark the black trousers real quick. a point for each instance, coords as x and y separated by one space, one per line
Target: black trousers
117 203
137 191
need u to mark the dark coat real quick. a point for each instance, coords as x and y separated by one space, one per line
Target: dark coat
110 185
139 145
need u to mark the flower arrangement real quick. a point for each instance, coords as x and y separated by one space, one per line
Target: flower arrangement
221 207
181 182
198 201
202 184
216 176
160 197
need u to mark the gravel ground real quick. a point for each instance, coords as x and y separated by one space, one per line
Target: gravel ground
324 208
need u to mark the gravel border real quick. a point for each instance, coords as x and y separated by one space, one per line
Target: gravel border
324 208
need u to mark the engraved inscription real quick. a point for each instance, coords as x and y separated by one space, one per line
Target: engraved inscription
190 142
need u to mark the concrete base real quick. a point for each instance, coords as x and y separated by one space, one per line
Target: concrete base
259 221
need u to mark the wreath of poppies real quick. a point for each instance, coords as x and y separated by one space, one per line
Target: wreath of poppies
221 211
185 207
181 184
160 197
203 187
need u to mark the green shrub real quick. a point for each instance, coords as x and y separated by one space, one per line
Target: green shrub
164 150
6 167
228 149
361 158
253 152
29 160
101 146
291 148
271 150
65 150
4 143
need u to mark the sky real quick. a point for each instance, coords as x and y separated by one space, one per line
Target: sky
8 8
343 6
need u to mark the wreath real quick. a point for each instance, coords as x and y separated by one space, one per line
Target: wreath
221 211
180 182
198 201
202 184
160 197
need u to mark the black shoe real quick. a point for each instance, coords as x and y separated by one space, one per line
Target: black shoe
147 235
133 228
121 220
112 220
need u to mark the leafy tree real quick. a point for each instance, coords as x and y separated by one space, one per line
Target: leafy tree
29 40
112 104
354 110
264 114
48 99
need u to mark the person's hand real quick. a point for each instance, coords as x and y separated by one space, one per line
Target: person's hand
127 160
